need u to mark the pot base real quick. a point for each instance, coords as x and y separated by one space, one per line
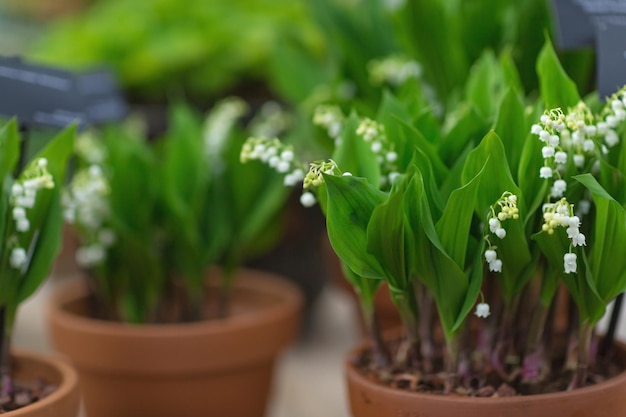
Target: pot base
218 367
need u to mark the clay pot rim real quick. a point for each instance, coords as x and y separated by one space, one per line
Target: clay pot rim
288 298
353 374
68 384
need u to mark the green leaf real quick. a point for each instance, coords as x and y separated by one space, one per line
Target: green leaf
351 202
429 261
557 89
47 242
511 127
453 228
490 156
484 84
9 148
608 269
386 235
354 155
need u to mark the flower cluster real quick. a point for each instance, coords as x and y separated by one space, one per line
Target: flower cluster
314 178
276 154
612 116
560 214
23 198
218 125
394 70
331 118
271 120
86 204
373 133
507 205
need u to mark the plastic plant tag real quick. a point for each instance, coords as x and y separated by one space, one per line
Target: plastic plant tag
572 25
611 52
39 95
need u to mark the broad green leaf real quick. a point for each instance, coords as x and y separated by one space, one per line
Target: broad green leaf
554 246
453 228
412 139
557 89
509 71
608 240
491 156
48 238
9 148
351 202
511 127
467 127
386 235
429 261
354 155
484 85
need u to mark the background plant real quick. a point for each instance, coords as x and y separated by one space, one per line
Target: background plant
31 224
172 208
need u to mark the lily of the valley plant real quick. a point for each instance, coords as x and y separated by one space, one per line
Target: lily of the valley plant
30 226
475 224
153 217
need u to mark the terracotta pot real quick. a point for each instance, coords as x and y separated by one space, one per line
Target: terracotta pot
64 401
211 368
371 399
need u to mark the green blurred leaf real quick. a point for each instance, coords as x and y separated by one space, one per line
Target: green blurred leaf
351 202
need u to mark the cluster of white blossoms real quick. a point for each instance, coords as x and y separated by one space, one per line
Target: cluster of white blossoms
331 118
507 205
314 178
561 214
217 127
23 198
579 135
271 120
373 133
275 154
86 205
393 70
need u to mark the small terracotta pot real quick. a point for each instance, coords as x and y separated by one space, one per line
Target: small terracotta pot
211 368
64 401
370 399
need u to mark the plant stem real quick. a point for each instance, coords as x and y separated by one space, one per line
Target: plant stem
408 355
427 349
535 366
452 363
585 334
380 355
502 351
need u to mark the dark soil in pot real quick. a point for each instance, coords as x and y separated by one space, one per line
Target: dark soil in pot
399 392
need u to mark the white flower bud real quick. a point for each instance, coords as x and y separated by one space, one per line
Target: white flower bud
495 266
579 161
547 151
560 157
569 263
501 233
490 255
482 310
545 172
307 199
17 258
